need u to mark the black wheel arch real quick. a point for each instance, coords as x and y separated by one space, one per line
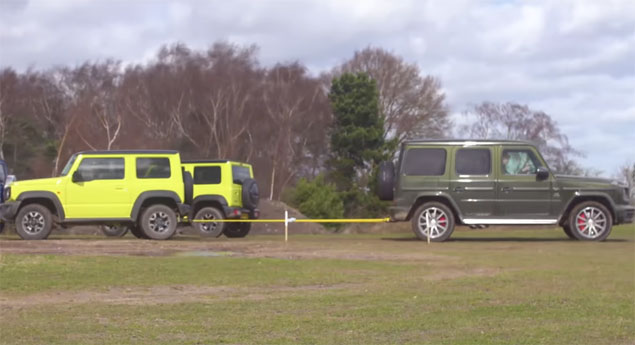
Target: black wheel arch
579 197
438 197
160 195
44 198
211 200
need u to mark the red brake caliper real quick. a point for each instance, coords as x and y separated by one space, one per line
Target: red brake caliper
442 220
581 222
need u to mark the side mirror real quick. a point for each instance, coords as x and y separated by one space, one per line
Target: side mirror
77 177
542 173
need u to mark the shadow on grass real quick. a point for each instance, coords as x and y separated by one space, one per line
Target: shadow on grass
497 239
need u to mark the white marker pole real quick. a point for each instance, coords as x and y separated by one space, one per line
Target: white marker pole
286 226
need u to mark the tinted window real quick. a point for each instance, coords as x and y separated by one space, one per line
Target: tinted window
473 162
206 175
101 169
153 167
240 173
519 162
425 162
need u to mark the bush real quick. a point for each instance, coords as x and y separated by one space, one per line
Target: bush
318 199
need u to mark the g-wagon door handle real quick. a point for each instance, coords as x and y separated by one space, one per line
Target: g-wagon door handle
506 189
459 189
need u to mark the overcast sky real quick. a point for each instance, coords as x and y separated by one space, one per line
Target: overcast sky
575 60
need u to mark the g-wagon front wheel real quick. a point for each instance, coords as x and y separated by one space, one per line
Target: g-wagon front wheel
590 221
158 222
34 222
433 219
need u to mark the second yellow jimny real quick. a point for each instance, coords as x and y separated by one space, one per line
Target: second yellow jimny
147 192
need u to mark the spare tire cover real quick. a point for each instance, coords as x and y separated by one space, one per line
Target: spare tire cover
386 181
188 182
251 194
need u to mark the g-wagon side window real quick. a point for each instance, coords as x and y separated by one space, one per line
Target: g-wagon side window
153 167
101 169
473 162
206 175
519 162
425 162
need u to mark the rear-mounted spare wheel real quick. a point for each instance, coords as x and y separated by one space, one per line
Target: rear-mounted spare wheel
386 181
251 194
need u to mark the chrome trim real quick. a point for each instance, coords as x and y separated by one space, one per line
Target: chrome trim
470 221
531 188
426 189
479 188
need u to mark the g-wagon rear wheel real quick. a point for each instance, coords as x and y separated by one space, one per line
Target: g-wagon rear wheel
158 222
435 219
34 222
590 221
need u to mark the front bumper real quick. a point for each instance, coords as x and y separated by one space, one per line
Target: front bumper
625 214
239 212
8 210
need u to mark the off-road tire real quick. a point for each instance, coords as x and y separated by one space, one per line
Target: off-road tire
137 232
600 215
237 230
251 194
32 217
158 222
442 216
567 230
188 182
114 230
209 229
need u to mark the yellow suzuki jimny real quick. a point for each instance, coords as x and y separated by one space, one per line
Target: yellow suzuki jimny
148 192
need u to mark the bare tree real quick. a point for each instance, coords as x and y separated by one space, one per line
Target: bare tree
626 174
297 117
413 104
518 122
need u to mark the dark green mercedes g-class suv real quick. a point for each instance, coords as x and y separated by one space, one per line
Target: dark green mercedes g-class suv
437 184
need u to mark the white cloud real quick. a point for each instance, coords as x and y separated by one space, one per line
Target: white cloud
570 58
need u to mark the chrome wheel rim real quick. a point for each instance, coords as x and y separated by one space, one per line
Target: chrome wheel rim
591 222
159 222
208 226
433 221
33 222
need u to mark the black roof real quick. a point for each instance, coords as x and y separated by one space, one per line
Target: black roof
119 152
465 141
205 161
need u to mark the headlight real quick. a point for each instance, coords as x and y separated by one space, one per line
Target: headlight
7 193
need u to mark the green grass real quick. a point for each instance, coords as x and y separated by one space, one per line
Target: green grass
485 287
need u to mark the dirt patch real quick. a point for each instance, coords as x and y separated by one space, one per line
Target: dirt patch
262 247
158 295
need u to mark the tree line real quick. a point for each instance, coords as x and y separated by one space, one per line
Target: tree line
222 103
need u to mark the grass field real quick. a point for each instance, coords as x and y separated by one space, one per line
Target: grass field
483 287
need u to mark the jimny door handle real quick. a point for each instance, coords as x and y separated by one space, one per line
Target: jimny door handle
459 189
506 189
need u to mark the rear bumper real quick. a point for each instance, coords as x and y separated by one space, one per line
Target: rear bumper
8 210
398 213
625 214
238 212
